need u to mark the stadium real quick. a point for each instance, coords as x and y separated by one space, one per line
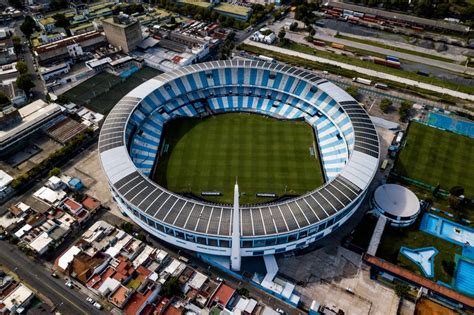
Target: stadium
346 145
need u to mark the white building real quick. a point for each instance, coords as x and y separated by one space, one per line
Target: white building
18 299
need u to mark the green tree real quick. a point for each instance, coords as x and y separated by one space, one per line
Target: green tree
353 91
25 83
401 289
28 26
404 110
17 4
3 100
281 35
171 287
16 40
22 67
293 26
385 105
448 267
58 4
55 171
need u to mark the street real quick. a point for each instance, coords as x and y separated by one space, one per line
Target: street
66 300
38 90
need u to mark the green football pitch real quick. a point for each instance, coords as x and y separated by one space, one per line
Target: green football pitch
435 157
266 155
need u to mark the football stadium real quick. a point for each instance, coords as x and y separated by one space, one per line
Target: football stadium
239 158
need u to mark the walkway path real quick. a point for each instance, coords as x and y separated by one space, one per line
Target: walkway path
365 71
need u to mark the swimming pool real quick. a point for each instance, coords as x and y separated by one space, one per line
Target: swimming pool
448 230
465 277
422 257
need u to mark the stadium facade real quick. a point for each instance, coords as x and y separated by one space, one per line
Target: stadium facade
347 141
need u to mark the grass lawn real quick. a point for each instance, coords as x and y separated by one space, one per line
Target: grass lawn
412 237
101 92
437 157
265 154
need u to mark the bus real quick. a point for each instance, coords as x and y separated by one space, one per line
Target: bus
265 58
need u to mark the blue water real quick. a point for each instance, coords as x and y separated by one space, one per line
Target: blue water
468 251
422 257
448 123
129 72
465 277
447 230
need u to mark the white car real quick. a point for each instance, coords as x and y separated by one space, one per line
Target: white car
69 284
219 279
279 310
90 300
97 305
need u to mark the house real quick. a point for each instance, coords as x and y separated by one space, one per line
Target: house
120 296
73 206
17 300
41 244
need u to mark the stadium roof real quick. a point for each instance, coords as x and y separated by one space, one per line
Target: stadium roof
259 220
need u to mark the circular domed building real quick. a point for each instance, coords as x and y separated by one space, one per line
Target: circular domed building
397 203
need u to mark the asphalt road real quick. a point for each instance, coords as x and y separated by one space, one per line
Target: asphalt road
38 89
36 276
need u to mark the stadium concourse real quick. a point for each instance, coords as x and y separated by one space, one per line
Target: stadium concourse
347 141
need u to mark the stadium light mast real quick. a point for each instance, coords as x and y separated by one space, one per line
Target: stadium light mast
235 260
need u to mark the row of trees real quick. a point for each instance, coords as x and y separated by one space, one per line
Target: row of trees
427 8
199 13
53 159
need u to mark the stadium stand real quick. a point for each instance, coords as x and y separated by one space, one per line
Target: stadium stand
348 145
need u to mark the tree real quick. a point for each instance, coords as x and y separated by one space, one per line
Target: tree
457 191
3 100
62 21
55 171
24 83
28 26
171 287
353 91
293 26
58 4
401 289
448 267
385 105
16 40
404 110
17 4
22 67
281 35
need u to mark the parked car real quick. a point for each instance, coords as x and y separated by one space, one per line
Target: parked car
90 300
54 275
69 284
97 305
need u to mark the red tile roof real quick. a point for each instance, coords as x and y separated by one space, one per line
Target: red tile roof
136 302
90 203
144 271
161 305
172 310
223 294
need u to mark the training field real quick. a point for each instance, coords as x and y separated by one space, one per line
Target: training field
103 91
265 154
436 157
